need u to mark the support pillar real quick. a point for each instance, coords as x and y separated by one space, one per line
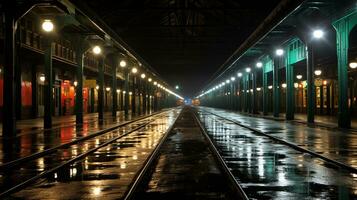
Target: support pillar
290 103
343 28
265 92
310 84
114 87
48 98
80 49
126 89
133 102
101 90
254 94
9 119
276 89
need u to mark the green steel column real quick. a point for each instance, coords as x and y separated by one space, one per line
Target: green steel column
48 98
276 89
101 90
245 87
239 99
254 95
310 84
343 28
9 119
114 87
265 92
79 75
290 105
126 95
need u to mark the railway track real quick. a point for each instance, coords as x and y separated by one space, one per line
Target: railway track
21 172
186 123
271 168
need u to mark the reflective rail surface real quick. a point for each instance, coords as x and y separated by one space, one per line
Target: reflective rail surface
268 169
56 175
186 165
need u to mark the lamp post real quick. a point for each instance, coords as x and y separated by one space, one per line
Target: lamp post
47 27
316 35
276 91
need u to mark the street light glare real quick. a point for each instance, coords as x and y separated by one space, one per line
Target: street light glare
279 52
299 76
318 34
122 63
143 76
318 72
353 65
177 87
247 69
134 70
149 79
259 64
47 25
97 50
240 74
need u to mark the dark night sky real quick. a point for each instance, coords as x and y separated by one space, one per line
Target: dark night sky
185 41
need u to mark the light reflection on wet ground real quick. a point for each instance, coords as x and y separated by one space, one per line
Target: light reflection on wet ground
335 144
104 174
30 142
269 170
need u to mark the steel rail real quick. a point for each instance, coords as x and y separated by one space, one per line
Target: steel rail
290 144
220 159
68 162
68 144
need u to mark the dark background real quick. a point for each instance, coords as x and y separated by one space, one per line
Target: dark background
185 41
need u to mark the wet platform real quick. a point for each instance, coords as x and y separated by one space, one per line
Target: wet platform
104 171
267 169
32 138
336 144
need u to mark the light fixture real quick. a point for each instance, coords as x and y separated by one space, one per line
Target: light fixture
283 85
318 72
107 89
177 87
96 50
353 65
118 91
258 89
270 87
227 81
299 76
155 83
233 78
259 64
134 70
149 79
296 85
324 82
124 92
247 69
75 83
97 87
47 25
130 93
143 76
240 74
122 63
318 33
279 52
42 78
